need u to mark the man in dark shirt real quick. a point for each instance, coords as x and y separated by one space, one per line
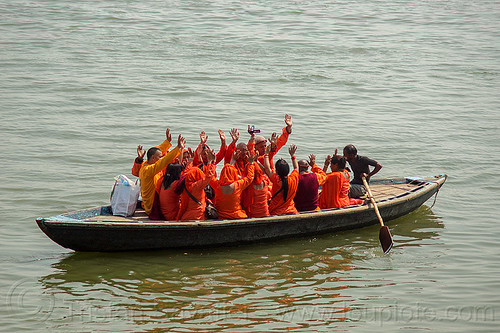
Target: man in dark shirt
360 165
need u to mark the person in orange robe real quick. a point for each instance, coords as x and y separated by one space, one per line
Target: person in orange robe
259 143
203 145
335 190
155 164
195 182
229 190
284 184
235 135
236 154
186 160
258 194
139 160
169 198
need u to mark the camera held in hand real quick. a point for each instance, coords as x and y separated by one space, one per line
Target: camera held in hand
252 130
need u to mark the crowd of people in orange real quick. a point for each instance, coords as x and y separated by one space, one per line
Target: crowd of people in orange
182 184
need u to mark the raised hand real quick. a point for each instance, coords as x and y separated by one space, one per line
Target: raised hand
288 122
234 135
292 150
312 159
210 155
181 142
222 137
203 137
274 141
140 152
268 149
328 159
252 157
168 135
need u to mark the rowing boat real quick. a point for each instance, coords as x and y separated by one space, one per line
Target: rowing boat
96 229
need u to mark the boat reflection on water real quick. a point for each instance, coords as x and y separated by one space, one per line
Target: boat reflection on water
280 285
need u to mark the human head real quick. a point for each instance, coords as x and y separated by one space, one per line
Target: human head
192 176
282 169
350 152
185 155
241 151
203 154
172 173
337 163
154 154
228 175
260 144
303 166
174 170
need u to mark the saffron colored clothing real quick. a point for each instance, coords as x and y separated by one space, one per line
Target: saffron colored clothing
170 201
219 157
148 177
335 190
240 165
306 198
278 204
138 162
258 196
280 142
229 205
195 182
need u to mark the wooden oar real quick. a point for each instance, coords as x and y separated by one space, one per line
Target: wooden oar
384 234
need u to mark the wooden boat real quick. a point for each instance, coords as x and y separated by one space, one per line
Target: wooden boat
96 229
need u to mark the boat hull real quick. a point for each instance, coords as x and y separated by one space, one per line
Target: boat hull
112 236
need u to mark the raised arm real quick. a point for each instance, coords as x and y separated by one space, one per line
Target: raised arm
232 146
165 145
291 151
328 160
267 164
170 156
140 152
288 122
222 137
138 161
320 174
210 156
223 147
251 141
203 138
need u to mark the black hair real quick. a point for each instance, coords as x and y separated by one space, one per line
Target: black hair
350 149
340 161
282 169
172 173
152 151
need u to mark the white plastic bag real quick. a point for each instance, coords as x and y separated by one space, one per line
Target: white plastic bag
124 196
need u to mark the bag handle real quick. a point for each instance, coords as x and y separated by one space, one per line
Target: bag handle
192 196
113 190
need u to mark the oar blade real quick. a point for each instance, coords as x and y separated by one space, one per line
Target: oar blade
385 239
